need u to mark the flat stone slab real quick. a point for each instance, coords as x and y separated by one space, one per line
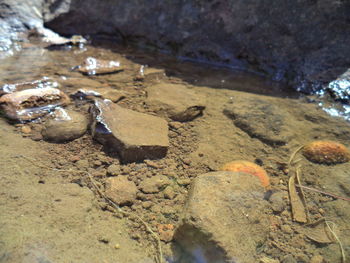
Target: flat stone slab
224 218
135 136
260 119
176 101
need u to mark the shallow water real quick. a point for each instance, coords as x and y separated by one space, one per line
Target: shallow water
246 118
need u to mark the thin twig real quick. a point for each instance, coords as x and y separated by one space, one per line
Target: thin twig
337 238
322 192
294 153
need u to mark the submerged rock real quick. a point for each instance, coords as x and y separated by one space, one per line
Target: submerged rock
120 190
105 93
32 103
94 66
219 204
176 101
135 136
40 83
260 119
65 126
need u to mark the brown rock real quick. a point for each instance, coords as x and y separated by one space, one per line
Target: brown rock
120 190
135 136
154 184
65 126
176 101
219 204
32 103
93 66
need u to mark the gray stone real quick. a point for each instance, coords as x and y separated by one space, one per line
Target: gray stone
120 190
176 101
260 119
68 127
135 136
277 203
226 199
154 184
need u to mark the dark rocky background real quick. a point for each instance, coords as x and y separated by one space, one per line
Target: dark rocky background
303 42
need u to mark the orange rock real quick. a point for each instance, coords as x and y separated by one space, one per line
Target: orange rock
326 152
166 232
249 168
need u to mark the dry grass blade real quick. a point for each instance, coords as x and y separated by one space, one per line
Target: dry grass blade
290 162
331 227
323 192
298 209
301 192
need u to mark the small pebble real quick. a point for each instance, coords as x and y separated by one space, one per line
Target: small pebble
287 229
317 259
26 129
152 164
185 181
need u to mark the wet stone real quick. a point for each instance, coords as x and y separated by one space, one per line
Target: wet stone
120 190
65 126
32 103
260 119
176 101
94 66
105 93
40 83
219 204
135 136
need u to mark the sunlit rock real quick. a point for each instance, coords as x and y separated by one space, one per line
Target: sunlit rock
225 218
32 103
135 136
176 101
65 126
94 66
